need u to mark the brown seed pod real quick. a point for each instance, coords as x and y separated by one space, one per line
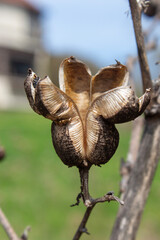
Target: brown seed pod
153 9
85 109
118 105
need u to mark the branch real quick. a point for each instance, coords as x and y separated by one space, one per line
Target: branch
82 227
141 176
7 227
136 16
128 218
9 230
126 167
89 202
106 198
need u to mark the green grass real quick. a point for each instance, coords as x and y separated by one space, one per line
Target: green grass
37 189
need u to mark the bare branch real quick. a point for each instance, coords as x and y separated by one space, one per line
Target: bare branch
82 225
106 198
7 227
89 202
136 16
128 218
127 166
10 231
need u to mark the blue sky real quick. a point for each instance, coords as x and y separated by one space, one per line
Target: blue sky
99 31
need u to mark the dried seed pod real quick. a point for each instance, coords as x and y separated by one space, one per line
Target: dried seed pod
85 109
67 130
107 78
115 106
74 80
34 98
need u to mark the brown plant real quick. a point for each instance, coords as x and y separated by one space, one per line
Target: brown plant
85 109
84 112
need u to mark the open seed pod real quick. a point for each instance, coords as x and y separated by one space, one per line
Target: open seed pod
85 109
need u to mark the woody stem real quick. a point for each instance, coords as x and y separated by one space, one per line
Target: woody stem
84 177
90 202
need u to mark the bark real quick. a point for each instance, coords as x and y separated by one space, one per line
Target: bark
127 166
129 216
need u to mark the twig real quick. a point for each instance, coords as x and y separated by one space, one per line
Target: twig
82 227
136 16
106 198
7 227
79 196
89 202
10 231
127 166
25 233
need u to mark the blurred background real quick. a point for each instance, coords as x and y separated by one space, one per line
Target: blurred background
35 187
